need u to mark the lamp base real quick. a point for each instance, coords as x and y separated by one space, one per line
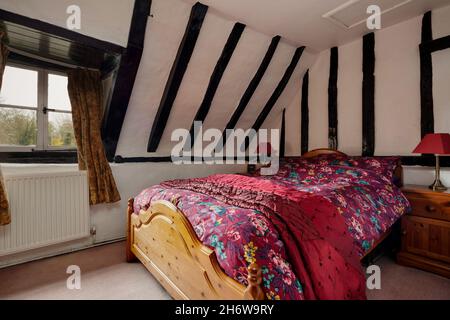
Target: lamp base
438 186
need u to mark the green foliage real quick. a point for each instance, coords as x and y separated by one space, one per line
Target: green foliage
18 127
60 131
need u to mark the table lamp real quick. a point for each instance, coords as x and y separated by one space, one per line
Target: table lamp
437 144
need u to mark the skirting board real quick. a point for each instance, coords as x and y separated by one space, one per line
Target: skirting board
52 251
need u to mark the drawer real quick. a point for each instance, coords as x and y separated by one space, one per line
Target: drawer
426 237
435 208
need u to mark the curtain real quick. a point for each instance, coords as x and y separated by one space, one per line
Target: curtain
85 92
3 55
5 216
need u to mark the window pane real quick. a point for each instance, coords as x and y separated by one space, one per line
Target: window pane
60 130
20 87
58 97
17 127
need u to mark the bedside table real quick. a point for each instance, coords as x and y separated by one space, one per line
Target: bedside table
426 231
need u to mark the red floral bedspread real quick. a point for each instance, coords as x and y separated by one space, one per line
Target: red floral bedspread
306 227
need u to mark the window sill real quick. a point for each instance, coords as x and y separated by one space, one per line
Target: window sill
39 157
26 169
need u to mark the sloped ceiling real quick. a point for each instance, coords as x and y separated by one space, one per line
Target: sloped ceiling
102 19
301 22
164 33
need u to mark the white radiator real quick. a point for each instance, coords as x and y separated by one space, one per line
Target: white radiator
46 209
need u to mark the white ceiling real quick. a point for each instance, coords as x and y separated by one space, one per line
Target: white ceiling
301 23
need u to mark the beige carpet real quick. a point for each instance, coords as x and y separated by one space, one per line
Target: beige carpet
106 275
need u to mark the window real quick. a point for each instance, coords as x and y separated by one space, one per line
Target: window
35 111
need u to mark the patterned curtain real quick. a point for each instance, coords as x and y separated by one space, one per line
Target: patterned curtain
5 216
85 92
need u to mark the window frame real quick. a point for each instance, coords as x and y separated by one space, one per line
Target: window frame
42 113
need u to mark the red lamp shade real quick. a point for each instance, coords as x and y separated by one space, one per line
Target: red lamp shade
434 143
264 149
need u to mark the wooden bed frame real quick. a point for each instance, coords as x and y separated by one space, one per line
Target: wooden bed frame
163 239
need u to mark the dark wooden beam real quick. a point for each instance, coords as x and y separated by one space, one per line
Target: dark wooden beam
437 44
126 75
33 62
216 77
427 29
39 157
120 159
252 86
304 115
141 12
425 161
406 160
279 89
332 100
59 31
368 95
426 78
109 66
185 50
283 134
116 110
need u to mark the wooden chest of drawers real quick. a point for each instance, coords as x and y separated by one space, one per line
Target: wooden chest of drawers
426 231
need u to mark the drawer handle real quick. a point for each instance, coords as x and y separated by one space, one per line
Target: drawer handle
404 232
430 208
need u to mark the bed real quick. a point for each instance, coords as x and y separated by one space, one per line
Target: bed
173 229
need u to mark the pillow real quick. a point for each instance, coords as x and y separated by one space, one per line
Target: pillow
322 159
381 165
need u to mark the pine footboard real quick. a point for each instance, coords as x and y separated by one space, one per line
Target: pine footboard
164 241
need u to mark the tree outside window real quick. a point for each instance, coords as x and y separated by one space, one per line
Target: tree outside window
35 111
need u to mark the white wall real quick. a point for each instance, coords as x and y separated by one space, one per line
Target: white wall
424 175
397 94
441 92
107 20
318 102
397 88
350 97
441 22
